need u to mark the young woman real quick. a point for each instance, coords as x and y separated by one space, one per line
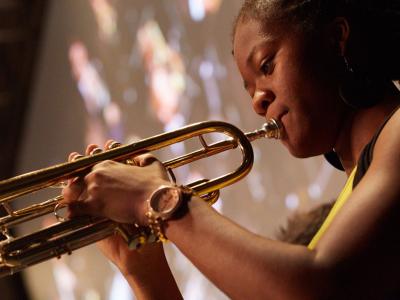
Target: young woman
324 71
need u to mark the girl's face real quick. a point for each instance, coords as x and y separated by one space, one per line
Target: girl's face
293 78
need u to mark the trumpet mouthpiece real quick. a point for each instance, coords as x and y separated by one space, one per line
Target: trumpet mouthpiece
273 129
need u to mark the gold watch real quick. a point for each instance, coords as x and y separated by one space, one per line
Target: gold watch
165 203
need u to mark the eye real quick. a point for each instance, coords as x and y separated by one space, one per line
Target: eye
266 67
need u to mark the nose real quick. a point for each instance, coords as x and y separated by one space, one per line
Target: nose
261 101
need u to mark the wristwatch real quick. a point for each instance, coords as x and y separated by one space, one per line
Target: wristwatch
165 203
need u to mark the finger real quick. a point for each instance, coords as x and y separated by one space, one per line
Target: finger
74 156
145 159
111 144
76 209
83 208
92 149
149 159
73 191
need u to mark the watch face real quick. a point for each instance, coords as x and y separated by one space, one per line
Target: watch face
166 200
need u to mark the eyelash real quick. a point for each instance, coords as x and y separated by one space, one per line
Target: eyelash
266 67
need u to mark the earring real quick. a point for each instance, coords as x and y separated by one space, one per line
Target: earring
347 65
357 90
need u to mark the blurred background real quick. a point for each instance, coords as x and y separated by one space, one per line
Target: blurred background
74 72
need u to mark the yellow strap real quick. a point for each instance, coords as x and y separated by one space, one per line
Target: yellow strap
344 195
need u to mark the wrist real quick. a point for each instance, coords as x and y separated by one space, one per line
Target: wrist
197 210
167 202
141 263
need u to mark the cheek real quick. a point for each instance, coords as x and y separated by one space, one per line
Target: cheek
311 128
305 88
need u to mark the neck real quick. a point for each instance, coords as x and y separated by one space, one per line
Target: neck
360 126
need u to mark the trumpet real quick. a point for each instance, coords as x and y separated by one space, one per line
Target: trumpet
67 235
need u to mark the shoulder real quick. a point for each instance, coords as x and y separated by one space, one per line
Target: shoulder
383 174
387 148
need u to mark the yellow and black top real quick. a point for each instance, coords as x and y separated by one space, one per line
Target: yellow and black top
354 178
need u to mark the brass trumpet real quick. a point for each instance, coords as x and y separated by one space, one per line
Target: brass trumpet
17 253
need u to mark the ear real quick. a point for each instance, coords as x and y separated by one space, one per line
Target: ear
338 32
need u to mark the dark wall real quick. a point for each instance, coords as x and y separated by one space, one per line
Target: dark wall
20 26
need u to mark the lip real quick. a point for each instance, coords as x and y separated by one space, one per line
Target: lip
282 115
277 117
281 121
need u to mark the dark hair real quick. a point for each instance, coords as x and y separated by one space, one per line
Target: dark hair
301 227
375 24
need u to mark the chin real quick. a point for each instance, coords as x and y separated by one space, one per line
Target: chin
301 150
302 154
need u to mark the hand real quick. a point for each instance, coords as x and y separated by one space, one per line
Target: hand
138 263
107 191
114 190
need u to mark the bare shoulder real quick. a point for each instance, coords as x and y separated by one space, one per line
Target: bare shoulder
362 232
386 156
382 180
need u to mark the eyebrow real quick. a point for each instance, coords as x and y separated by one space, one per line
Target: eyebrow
267 40
251 54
